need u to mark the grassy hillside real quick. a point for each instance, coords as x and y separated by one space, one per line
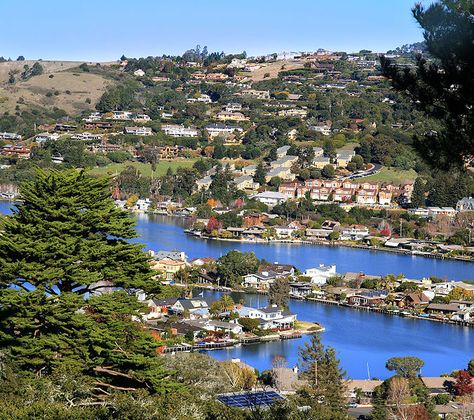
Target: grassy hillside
397 176
144 168
59 86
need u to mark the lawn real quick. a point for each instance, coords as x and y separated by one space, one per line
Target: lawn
144 168
396 176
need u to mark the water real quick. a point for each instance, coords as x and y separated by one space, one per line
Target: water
360 338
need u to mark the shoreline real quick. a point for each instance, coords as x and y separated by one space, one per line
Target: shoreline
382 311
333 244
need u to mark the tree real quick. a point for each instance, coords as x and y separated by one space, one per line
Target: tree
418 196
463 385
249 324
328 171
470 367
232 266
443 87
406 367
325 386
68 284
279 292
20 58
213 224
260 173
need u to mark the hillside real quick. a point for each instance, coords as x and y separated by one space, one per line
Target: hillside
71 91
273 69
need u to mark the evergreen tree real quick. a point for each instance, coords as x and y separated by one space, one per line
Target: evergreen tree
325 388
260 173
63 244
279 292
418 198
443 87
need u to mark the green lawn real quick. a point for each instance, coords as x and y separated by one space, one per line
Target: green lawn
390 175
144 168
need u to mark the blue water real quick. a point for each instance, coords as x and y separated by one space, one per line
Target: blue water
360 338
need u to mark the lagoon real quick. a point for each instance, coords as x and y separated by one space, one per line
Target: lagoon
363 340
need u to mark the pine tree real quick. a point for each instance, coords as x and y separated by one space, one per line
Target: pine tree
418 196
443 87
325 378
63 242
259 174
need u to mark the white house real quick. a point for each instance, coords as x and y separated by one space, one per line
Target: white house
212 325
138 131
175 130
354 233
319 275
271 198
143 204
261 280
465 204
282 151
269 317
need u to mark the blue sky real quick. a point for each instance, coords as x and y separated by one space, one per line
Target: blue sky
101 30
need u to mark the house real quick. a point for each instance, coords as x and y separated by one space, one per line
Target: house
40 138
195 306
280 172
367 197
254 219
293 112
281 269
317 233
233 107
318 151
204 183
261 280
300 289
10 136
319 275
143 204
246 182
216 326
445 211
175 130
324 129
413 300
289 188
19 150
344 157
215 130
158 307
286 161
354 233
465 204
343 194
282 151
138 131
270 317
235 116
385 197
285 231
168 266
442 309
320 162
258 94
366 385
270 198
249 169
173 255
368 298
438 385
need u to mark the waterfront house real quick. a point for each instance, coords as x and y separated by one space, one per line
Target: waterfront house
318 233
414 300
319 275
254 219
285 231
442 309
216 326
300 289
281 269
270 317
261 280
354 233
173 255
368 298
